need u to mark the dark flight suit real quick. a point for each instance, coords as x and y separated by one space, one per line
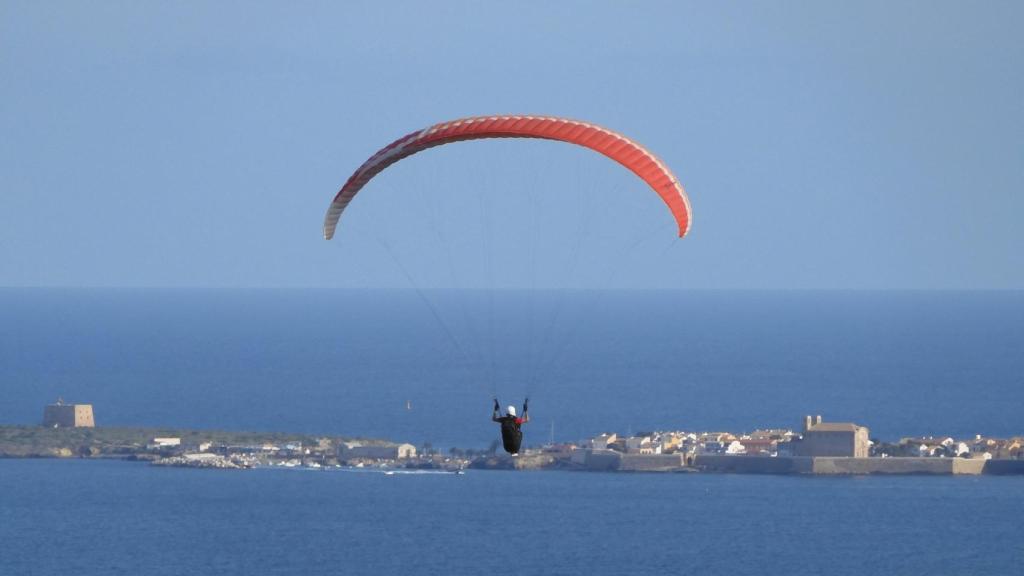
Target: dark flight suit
511 434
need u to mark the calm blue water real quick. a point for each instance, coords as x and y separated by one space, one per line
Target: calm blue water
336 362
343 362
114 518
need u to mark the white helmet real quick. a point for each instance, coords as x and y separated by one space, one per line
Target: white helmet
511 410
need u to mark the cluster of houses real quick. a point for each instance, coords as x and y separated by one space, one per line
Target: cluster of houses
816 439
172 451
759 442
326 452
667 450
948 447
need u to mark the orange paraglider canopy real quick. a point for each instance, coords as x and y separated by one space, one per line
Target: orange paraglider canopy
611 144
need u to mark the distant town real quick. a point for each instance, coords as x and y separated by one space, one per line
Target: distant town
69 430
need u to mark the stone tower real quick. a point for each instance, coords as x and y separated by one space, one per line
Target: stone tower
61 415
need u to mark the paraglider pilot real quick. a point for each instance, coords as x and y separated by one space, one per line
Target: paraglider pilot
511 434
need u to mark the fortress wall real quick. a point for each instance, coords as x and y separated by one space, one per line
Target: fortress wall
837 465
602 460
754 464
968 466
1003 467
651 462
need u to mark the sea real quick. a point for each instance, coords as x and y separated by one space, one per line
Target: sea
112 517
424 366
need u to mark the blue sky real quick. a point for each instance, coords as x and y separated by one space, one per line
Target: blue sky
823 144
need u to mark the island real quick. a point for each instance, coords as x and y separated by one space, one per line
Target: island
820 448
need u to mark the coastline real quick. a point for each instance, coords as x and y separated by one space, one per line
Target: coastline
242 450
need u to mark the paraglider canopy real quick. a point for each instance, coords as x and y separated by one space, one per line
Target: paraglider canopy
633 156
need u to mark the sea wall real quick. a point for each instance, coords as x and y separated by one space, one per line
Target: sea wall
651 462
754 464
835 465
1004 467
828 465
602 460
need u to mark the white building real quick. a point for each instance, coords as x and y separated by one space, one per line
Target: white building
165 442
639 445
355 450
603 441
736 447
